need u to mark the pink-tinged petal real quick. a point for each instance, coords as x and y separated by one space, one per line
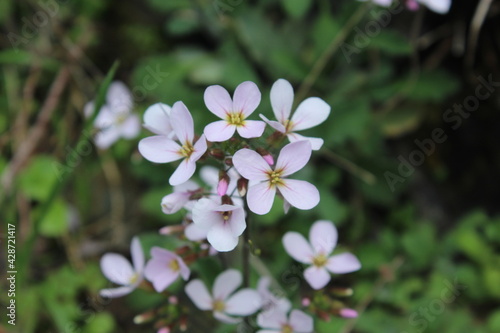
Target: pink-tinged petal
219 131
105 119
116 268
221 237
200 147
301 322
316 143
183 172
297 247
106 137
225 318
131 127
243 303
317 277
137 255
174 202
272 319
198 293
237 222
299 193
116 292
343 263
438 6
218 101
348 313
260 198
251 129
311 112
118 97
182 122
159 149
323 237
161 280
204 214
282 99
293 157
274 124
246 98
187 187
286 206
183 269
227 282
251 165
195 233
157 119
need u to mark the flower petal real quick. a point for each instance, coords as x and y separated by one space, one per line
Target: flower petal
272 319
157 119
243 303
218 101
159 149
116 268
282 99
297 247
343 263
225 318
210 175
237 221
116 292
293 157
299 193
195 233
225 283
301 322
251 129
118 97
246 98
317 277
311 112
260 198
316 143
198 293
106 137
183 172
131 127
251 165
204 214
323 237
137 255
438 6
274 124
222 238
182 122
219 131
200 147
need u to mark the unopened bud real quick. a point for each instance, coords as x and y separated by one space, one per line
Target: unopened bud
223 183
183 324
342 292
242 186
164 330
226 200
306 301
266 155
173 300
217 153
348 313
228 161
143 318
183 250
172 229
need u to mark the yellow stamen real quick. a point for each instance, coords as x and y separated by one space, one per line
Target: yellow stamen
286 329
174 265
226 215
320 260
134 278
236 118
121 117
288 125
186 150
218 306
275 177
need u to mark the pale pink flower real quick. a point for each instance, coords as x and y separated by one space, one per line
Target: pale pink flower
297 322
118 269
234 112
157 120
271 301
180 198
164 268
292 158
162 149
322 240
438 6
223 223
115 119
311 112
223 301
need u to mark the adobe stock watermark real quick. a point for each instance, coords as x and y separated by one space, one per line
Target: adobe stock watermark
380 19
420 319
453 116
31 26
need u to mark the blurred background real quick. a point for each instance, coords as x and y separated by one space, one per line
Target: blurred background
408 172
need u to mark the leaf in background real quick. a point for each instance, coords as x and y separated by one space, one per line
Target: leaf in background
101 322
349 120
296 8
433 86
38 178
391 42
55 222
401 121
183 22
420 244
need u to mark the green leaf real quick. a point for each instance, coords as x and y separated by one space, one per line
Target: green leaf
101 322
420 244
433 86
296 8
391 42
55 222
400 121
36 180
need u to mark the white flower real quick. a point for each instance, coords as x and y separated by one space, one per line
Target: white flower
298 322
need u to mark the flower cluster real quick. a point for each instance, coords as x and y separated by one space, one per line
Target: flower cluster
249 164
438 6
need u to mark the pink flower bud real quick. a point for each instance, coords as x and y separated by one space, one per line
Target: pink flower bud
164 330
222 187
306 301
269 159
348 313
173 300
412 5
172 229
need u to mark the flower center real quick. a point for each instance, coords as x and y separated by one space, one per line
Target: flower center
286 329
186 150
320 260
275 177
120 118
218 306
288 125
174 265
236 118
133 279
226 215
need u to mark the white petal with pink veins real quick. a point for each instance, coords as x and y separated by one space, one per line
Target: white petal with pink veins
323 237
301 322
116 268
311 112
251 129
299 193
182 122
317 277
293 157
251 165
137 254
297 247
159 149
260 198
184 171
274 124
157 119
282 99
218 101
246 98
226 283
219 131
198 293
316 143
243 303
343 263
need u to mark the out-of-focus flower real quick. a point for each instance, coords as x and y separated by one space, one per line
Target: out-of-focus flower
180 198
116 268
270 301
298 322
348 313
223 301
322 240
234 112
157 120
223 223
292 158
164 268
438 6
162 149
311 112
115 119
